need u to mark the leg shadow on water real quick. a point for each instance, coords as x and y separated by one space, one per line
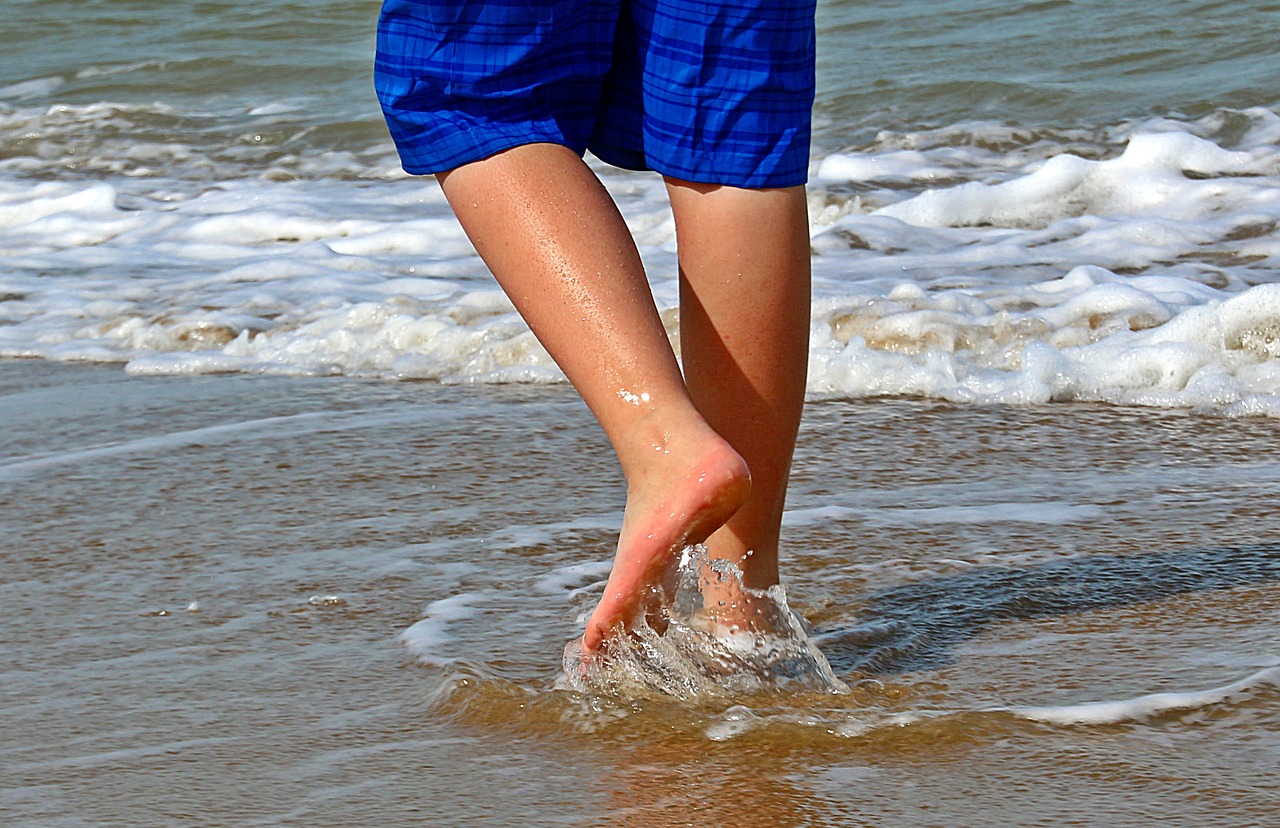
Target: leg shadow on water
685 654
919 626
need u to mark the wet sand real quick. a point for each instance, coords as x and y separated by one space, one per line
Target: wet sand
206 581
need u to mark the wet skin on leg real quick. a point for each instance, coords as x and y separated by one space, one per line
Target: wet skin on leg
556 243
744 333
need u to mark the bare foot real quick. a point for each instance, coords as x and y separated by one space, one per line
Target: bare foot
685 489
727 605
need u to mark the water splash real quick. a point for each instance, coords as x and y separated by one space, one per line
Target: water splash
688 654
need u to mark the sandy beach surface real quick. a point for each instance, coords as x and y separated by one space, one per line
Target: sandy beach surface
255 601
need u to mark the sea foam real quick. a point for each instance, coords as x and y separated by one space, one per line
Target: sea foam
1145 707
1129 264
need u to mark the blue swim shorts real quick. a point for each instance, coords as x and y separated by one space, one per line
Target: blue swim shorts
711 91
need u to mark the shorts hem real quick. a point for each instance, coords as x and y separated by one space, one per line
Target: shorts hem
755 180
479 152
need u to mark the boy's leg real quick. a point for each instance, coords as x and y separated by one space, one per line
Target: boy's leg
744 334
556 243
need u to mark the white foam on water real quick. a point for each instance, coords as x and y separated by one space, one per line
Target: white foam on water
1035 512
740 720
120 69
1148 178
573 578
34 88
432 639
1128 264
1146 707
1115 340
900 165
541 534
737 720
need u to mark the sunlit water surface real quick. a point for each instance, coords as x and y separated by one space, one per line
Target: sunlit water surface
247 601
1031 524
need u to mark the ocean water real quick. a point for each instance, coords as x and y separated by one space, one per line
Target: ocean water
1008 207
296 516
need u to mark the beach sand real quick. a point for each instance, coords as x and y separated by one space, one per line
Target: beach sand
209 582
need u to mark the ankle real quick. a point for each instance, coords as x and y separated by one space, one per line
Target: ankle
660 445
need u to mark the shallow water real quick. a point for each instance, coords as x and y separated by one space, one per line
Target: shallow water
1031 521
211 577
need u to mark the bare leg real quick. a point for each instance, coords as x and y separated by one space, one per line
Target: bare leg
558 246
744 332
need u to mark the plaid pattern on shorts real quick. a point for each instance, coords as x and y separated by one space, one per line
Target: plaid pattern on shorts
713 92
